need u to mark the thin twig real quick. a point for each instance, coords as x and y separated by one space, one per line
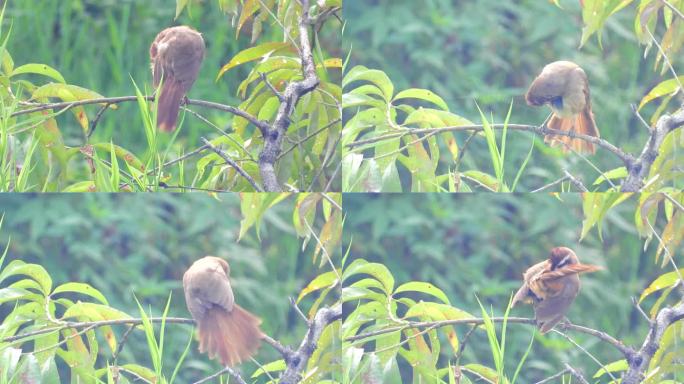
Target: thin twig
576 374
575 181
674 9
542 131
233 164
511 320
86 324
552 184
227 370
328 157
552 379
676 203
331 201
270 86
122 99
332 177
591 356
301 314
96 120
635 302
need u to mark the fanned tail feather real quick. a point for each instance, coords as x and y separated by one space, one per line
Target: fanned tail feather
583 123
232 336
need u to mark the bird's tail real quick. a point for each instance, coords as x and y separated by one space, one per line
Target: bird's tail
522 296
168 105
232 336
582 123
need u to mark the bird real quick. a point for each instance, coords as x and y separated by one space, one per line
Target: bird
225 330
563 85
176 55
552 285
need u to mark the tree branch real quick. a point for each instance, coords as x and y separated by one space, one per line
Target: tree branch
519 320
542 131
641 167
273 137
233 164
122 99
637 167
639 361
297 361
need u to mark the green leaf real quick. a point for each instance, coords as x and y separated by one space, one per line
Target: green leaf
667 87
421 94
180 5
94 312
82 288
274 366
427 288
12 294
34 271
252 54
374 76
482 371
123 154
324 280
666 280
40 69
616 366
253 206
616 173
378 271
483 179
66 92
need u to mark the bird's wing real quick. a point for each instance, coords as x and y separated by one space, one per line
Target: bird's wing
527 290
569 269
206 285
188 53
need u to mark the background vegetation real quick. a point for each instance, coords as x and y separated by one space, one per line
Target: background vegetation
130 247
485 54
103 46
476 247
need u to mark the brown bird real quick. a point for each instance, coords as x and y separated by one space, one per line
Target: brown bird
552 285
563 85
176 55
224 328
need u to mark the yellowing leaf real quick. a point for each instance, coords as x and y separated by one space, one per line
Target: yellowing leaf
666 87
251 54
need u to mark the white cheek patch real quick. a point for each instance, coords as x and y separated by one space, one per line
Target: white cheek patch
565 261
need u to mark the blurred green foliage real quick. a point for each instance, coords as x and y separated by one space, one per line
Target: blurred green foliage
104 46
126 245
487 52
477 247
